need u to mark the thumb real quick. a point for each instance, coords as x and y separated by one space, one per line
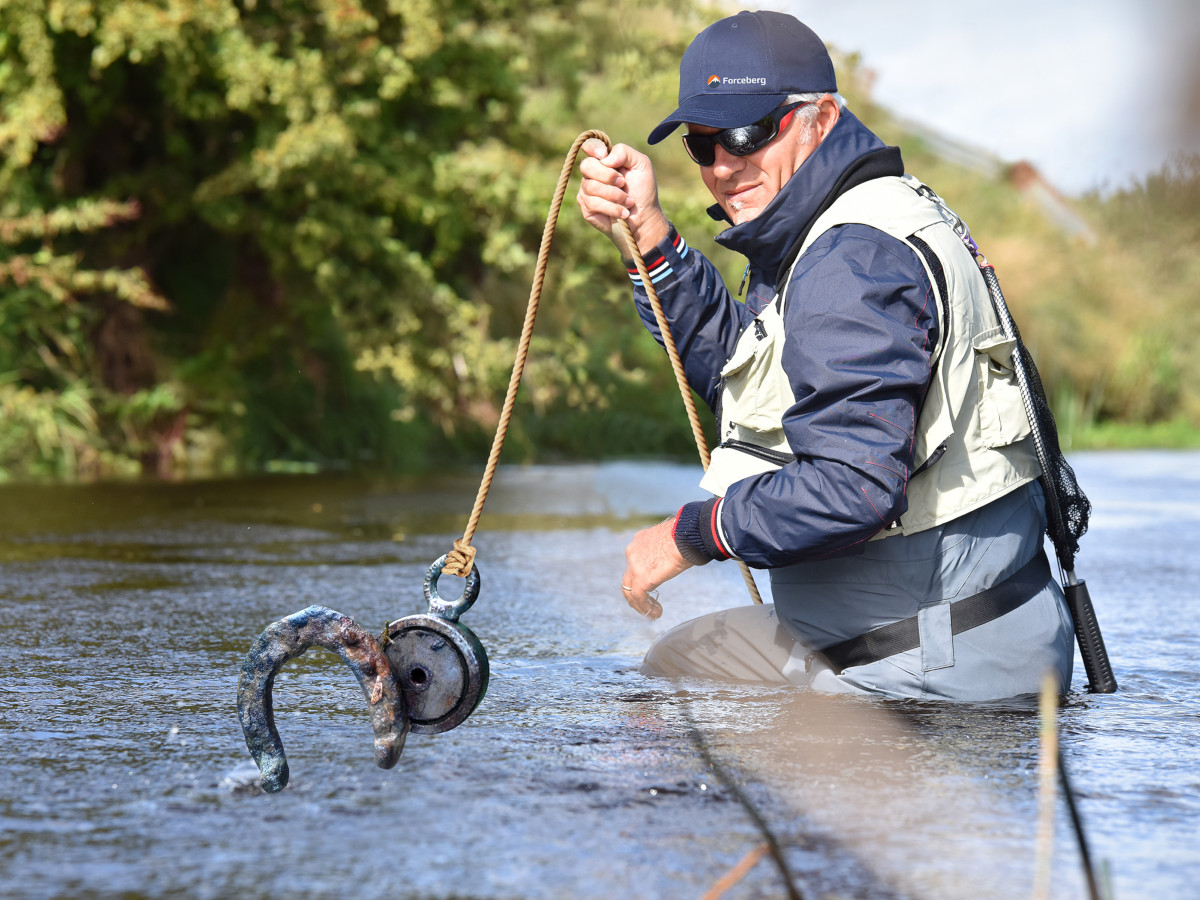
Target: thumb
595 147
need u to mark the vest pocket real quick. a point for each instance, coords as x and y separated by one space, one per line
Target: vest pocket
1002 418
754 395
729 464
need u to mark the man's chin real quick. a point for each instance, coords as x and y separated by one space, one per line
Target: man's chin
740 213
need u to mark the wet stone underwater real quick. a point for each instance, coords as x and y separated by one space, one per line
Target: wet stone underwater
126 612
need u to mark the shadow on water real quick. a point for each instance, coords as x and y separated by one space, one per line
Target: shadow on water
126 610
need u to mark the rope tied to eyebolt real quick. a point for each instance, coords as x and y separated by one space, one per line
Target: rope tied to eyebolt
460 560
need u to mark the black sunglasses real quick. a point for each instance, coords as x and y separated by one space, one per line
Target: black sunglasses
740 141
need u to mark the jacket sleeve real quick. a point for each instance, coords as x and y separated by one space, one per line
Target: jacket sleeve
861 327
704 319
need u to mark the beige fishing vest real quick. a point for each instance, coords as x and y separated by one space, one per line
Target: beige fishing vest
973 415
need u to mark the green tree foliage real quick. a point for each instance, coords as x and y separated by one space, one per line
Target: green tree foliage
245 233
341 200
57 420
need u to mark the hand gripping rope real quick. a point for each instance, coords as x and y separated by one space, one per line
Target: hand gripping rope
428 672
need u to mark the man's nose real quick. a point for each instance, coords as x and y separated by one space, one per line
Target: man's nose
725 163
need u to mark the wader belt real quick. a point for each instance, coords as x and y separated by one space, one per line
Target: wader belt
965 614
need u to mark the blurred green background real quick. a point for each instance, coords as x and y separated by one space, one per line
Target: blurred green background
279 235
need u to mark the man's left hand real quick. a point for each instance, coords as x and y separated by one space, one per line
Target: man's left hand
650 559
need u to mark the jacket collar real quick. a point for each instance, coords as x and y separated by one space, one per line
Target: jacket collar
849 155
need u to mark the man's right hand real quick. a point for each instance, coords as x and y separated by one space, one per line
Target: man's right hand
620 184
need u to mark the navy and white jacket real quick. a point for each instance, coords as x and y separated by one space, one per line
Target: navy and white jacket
861 333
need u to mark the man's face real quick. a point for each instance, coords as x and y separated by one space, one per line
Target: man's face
744 185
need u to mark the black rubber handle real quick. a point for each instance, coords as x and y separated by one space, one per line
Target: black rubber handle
1091 645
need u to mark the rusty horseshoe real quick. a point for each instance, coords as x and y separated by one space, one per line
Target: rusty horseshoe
290 637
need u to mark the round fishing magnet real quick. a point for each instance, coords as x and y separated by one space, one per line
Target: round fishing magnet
442 670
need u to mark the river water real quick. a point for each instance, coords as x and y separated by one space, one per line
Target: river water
126 611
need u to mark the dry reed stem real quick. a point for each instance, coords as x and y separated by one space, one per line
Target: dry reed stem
737 873
1048 775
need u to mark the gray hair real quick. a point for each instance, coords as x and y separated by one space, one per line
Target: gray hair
807 115
812 98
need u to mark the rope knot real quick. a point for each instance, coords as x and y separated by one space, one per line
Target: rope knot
460 560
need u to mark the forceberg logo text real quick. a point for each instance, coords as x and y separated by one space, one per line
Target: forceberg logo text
717 79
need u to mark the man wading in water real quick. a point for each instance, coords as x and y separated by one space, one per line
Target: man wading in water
875 453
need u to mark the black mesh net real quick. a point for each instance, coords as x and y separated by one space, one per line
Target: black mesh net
1067 507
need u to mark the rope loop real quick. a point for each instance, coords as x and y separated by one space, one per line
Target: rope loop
460 560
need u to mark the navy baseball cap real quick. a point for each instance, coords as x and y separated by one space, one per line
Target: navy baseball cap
739 69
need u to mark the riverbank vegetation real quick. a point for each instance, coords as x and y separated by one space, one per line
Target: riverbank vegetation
300 234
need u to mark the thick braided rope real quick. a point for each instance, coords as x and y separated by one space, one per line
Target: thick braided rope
685 391
462 557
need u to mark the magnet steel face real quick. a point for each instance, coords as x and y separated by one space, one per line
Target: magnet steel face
442 670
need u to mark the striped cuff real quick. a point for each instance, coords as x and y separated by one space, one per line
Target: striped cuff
658 261
697 533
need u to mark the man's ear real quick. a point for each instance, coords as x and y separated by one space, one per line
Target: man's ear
828 113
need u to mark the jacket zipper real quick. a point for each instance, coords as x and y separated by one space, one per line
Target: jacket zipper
938 452
745 275
773 456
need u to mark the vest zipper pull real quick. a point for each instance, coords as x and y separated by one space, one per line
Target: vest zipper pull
760 330
745 275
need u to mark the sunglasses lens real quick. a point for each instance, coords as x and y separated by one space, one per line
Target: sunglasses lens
702 148
745 140
742 141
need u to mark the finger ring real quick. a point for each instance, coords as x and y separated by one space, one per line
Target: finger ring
626 587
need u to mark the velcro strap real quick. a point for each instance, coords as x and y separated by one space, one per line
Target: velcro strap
965 614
